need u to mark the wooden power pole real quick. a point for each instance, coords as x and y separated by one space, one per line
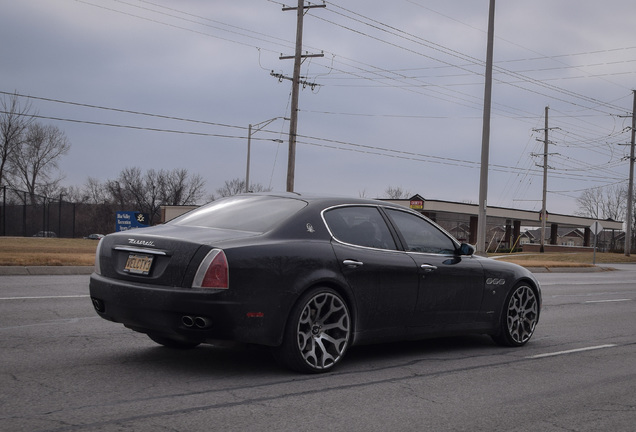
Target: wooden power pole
298 56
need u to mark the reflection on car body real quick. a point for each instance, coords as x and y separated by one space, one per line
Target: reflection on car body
309 277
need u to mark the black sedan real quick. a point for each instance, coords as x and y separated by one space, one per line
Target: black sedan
309 277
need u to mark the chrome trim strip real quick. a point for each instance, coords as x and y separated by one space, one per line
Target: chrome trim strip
140 250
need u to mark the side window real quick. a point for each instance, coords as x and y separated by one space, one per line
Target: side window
420 235
361 226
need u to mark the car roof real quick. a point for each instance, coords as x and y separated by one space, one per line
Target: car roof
326 200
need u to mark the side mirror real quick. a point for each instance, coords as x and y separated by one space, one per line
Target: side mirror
466 249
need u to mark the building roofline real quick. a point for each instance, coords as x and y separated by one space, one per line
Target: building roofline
527 217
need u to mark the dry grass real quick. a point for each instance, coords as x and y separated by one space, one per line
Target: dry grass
36 251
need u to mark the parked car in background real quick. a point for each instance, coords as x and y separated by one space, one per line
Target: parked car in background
45 234
94 237
308 277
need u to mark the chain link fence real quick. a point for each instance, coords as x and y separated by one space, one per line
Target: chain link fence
24 215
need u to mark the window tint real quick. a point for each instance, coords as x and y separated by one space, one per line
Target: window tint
242 213
420 235
362 226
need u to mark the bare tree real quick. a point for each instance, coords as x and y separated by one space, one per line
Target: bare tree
136 190
589 203
179 188
237 186
94 192
615 207
147 192
35 161
95 210
15 118
396 193
598 203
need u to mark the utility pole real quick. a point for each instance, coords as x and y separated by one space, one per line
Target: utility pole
630 186
298 56
545 182
546 142
544 213
485 138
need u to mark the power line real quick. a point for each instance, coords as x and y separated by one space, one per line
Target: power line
331 143
123 126
448 51
122 110
377 24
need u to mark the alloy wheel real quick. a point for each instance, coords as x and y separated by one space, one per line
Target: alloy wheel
522 314
323 330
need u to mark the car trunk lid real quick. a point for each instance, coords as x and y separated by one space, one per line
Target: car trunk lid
162 256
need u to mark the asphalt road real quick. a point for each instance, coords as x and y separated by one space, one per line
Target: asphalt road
65 369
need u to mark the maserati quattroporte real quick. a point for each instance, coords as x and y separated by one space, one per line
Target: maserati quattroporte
308 277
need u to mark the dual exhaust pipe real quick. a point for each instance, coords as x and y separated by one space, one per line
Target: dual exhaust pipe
195 322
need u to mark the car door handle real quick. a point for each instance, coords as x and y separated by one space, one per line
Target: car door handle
352 263
428 268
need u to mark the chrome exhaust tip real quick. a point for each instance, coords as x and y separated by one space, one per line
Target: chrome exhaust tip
98 305
187 321
201 322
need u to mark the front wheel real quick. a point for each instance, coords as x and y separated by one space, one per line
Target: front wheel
317 334
519 318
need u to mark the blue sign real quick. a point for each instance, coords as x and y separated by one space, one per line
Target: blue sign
127 220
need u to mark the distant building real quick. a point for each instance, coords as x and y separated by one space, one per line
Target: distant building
573 237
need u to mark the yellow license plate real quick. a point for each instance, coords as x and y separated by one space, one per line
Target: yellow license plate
138 264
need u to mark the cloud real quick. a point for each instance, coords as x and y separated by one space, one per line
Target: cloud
399 100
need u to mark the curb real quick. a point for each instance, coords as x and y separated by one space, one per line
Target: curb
45 270
569 269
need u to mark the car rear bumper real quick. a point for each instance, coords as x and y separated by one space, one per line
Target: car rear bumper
184 314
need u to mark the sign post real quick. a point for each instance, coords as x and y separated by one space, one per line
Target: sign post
596 228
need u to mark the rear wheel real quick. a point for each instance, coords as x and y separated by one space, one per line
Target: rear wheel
519 317
172 343
317 334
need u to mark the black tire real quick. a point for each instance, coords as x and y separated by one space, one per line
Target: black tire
317 334
519 317
173 343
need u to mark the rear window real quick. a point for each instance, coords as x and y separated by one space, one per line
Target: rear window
242 213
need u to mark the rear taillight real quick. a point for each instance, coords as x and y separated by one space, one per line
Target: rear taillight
213 271
98 251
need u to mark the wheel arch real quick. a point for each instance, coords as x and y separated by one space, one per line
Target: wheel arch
340 287
298 355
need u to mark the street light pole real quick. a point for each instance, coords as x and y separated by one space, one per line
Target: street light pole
485 140
258 126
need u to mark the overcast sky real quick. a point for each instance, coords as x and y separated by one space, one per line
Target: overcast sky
398 99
